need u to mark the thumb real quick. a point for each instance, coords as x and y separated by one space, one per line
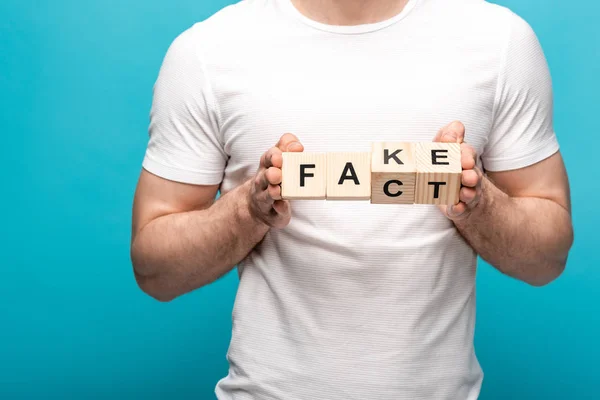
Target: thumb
289 142
451 133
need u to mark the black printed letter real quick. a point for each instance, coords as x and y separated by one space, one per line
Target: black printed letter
436 191
435 156
386 188
387 156
349 168
304 174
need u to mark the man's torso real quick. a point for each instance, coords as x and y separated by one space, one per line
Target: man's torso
353 300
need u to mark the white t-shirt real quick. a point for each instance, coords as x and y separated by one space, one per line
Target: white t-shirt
351 300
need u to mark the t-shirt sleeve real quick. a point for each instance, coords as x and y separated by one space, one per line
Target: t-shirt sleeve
184 143
522 131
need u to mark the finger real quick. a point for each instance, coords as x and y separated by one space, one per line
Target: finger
261 181
456 210
273 176
277 159
263 160
451 133
264 200
282 207
281 215
467 195
274 192
469 178
272 153
289 142
468 156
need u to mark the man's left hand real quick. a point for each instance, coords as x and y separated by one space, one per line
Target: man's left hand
472 176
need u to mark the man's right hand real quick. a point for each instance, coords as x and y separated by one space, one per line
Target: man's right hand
264 198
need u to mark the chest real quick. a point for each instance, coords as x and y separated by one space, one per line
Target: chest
336 100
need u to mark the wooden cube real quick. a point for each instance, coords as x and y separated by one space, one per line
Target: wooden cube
349 176
304 176
439 173
393 173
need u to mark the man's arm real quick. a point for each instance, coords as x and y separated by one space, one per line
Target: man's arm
525 229
182 239
519 221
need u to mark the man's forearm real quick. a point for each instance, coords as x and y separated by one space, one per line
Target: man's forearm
177 253
526 238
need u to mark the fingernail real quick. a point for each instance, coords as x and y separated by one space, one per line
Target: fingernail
452 212
294 146
450 136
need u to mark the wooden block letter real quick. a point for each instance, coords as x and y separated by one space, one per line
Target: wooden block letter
304 176
349 176
438 173
393 173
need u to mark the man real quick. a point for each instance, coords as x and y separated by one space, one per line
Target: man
350 300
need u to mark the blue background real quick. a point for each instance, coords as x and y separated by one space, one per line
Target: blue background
75 93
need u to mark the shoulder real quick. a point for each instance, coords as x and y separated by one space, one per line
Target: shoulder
483 31
216 39
479 20
232 24
480 13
